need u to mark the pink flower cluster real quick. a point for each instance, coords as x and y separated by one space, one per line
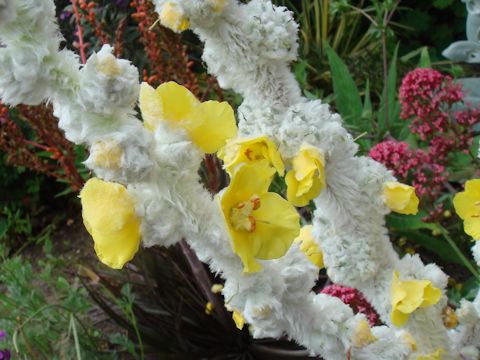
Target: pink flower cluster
427 98
413 166
355 300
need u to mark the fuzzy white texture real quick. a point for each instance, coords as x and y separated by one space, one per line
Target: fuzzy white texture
476 252
108 85
466 336
240 52
248 47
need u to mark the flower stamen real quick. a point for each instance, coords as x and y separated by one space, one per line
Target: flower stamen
241 214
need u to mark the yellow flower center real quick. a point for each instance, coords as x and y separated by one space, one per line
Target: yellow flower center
241 214
258 151
108 66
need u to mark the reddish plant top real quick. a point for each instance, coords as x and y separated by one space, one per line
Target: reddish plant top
428 98
355 300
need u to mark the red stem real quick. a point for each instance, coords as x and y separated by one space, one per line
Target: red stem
212 173
81 45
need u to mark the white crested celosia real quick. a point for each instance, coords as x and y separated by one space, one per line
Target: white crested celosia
248 47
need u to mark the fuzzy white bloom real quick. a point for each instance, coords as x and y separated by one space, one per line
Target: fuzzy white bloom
249 48
476 252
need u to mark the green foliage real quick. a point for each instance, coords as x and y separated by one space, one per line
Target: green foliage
44 312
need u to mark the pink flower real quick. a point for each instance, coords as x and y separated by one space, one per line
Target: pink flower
355 300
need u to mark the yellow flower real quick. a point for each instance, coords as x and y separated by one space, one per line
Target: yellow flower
216 288
172 16
449 318
240 151
108 66
107 154
209 125
262 224
209 308
400 198
467 206
309 246
307 179
238 319
408 296
109 216
437 355
363 335
409 340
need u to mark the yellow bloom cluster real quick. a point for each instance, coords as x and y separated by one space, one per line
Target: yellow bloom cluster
307 178
408 296
467 206
262 224
209 124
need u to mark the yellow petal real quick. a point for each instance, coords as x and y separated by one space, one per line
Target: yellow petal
473 187
170 102
408 338
363 335
250 179
250 150
109 216
415 295
151 106
211 124
464 204
437 355
278 224
400 198
408 296
471 227
177 102
245 247
431 295
307 161
107 154
293 186
172 16
309 247
238 319
398 318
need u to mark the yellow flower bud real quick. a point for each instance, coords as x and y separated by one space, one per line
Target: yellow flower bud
172 16
107 154
238 319
363 335
400 198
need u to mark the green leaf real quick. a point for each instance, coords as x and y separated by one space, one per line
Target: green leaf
409 222
425 59
347 96
393 104
436 245
442 4
3 227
